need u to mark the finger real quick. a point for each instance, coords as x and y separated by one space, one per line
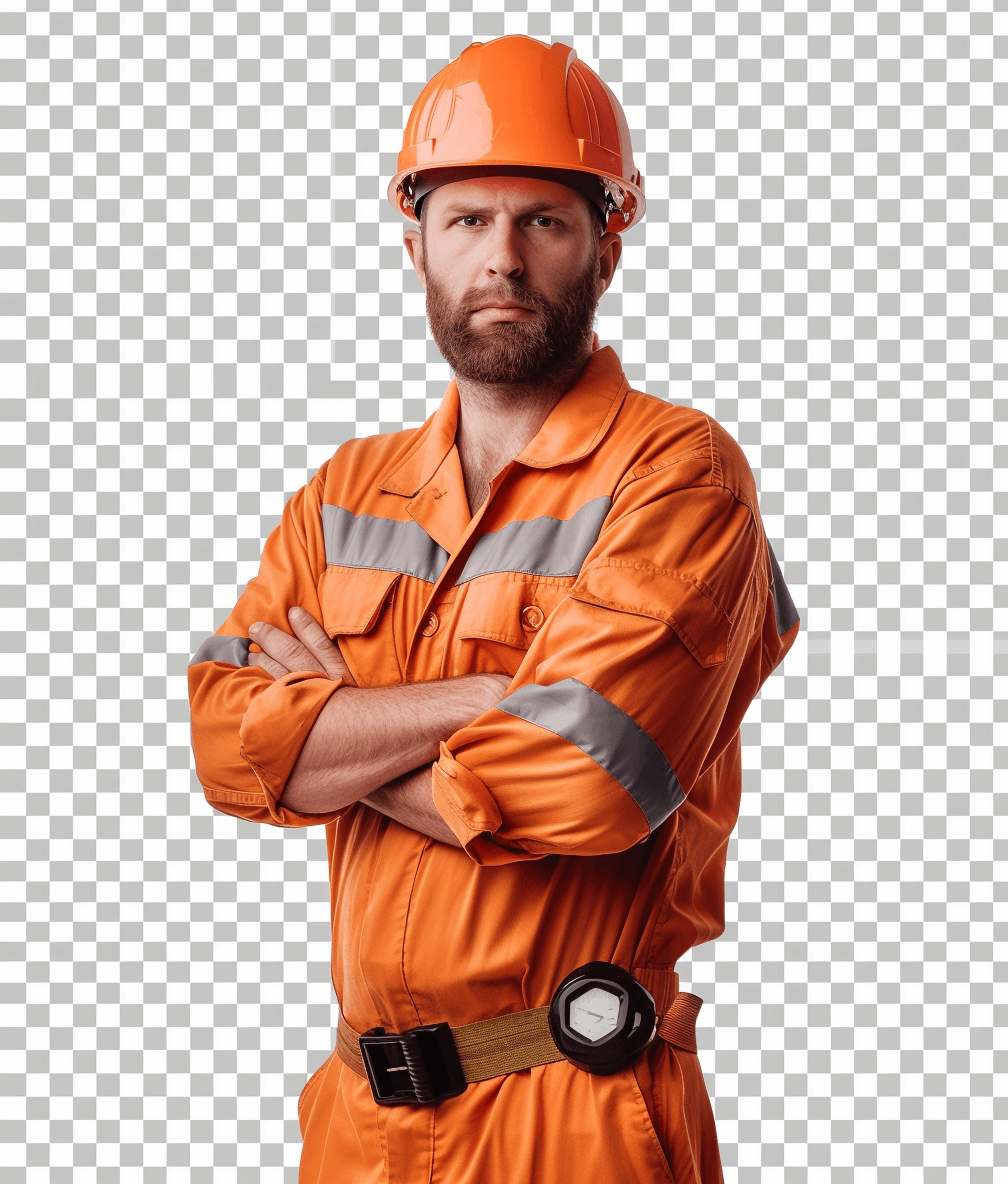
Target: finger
289 651
318 641
270 665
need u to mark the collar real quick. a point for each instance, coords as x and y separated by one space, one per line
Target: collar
434 441
573 429
576 425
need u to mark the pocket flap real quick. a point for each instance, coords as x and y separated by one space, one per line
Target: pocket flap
352 598
502 607
679 600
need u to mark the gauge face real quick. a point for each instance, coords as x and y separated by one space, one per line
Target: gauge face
595 1013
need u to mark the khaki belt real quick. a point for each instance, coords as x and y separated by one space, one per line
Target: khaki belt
522 1040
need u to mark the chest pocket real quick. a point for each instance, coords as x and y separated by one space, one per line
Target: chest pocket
357 615
679 600
500 618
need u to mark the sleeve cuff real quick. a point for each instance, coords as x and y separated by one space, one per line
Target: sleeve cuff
273 732
469 810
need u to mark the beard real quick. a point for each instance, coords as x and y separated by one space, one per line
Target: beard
534 351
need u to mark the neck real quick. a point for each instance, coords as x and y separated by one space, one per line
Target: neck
497 421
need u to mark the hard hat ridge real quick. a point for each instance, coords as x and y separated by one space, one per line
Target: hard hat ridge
515 105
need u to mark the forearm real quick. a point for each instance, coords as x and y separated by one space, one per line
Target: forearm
410 801
365 738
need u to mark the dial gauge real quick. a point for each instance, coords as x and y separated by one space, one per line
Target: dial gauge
595 1013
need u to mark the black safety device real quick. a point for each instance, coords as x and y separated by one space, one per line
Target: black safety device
421 1065
635 1024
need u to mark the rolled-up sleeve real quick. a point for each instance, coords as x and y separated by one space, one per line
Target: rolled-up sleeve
247 728
631 690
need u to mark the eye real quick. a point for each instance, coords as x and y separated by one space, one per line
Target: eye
470 220
543 221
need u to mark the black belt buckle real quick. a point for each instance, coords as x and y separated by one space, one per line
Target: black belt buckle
418 1066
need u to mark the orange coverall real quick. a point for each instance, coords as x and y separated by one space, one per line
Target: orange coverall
620 573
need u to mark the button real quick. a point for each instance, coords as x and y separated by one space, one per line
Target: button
532 616
431 625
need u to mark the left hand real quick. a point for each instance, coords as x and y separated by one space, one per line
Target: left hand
309 649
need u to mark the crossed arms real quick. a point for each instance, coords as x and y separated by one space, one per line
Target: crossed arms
376 744
631 690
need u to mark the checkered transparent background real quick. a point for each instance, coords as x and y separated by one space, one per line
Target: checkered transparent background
204 293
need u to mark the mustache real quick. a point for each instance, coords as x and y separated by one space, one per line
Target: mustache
502 293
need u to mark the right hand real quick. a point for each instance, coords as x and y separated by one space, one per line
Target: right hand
309 649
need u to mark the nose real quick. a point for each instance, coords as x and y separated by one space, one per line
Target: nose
504 257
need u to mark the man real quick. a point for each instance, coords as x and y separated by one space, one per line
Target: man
504 658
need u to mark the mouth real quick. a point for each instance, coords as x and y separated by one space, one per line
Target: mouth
504 308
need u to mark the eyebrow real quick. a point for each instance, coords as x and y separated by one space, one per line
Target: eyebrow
461 210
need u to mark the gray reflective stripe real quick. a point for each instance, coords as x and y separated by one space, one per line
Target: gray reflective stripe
233 650
540 546
606 734
380 544
783 606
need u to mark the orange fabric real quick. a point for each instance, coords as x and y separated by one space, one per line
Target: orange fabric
515 103
595 803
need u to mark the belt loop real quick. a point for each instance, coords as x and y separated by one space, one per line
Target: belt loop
678 1025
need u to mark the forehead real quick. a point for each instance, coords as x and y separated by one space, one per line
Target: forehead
505 194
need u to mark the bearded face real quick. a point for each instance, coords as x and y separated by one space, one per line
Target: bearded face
528 351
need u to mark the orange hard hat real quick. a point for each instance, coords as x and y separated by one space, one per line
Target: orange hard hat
516 106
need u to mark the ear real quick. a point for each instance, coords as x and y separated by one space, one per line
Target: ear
610 249
413 241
